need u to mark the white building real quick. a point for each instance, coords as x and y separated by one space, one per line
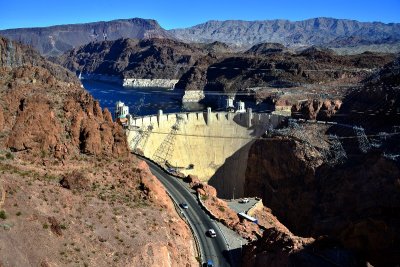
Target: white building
229 104
241 108
121 110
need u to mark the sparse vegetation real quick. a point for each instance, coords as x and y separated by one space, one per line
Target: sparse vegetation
9 155
204 197
3 215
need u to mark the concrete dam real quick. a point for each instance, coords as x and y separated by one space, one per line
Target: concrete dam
212 145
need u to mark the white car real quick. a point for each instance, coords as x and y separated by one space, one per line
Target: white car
211 233
244 200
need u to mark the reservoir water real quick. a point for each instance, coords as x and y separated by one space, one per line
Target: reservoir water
146 101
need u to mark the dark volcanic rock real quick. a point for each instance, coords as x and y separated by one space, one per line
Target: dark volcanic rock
211 67
379 99
148 59
55 40
75 181
267 48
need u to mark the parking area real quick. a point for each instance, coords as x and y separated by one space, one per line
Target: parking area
241 207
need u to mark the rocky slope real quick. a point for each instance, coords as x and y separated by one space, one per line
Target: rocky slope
71 193
146 59
316 31
55 40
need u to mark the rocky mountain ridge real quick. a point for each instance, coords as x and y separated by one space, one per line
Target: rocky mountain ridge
342 34
316 31
55 40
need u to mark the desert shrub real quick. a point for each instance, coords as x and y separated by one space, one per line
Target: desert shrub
9 155
3 215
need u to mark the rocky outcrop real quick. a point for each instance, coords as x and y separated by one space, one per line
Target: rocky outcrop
46 112
316 109
55 40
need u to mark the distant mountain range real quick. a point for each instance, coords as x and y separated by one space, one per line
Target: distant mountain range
55 40
341 34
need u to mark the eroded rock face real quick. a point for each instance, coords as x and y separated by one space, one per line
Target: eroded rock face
44 110
53 117
316 109
358 203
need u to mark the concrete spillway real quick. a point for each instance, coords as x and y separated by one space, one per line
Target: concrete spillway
213 146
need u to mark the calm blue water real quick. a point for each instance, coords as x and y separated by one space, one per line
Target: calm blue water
151 100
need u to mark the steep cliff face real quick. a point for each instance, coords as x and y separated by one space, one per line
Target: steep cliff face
356 203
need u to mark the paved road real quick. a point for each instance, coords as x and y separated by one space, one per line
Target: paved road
211 248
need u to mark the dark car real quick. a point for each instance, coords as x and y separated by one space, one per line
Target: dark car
184 206
209 263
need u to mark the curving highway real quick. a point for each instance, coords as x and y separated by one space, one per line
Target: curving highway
211 248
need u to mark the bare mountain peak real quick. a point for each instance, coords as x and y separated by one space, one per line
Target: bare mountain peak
55 40
321 31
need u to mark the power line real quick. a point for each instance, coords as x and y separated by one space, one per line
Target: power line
255 138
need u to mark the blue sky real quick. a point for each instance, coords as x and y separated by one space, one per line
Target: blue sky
184 13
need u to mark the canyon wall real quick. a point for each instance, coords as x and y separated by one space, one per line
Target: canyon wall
357 203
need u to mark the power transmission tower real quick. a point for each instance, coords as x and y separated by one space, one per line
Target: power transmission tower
363 142
145 137
166 148
337 154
